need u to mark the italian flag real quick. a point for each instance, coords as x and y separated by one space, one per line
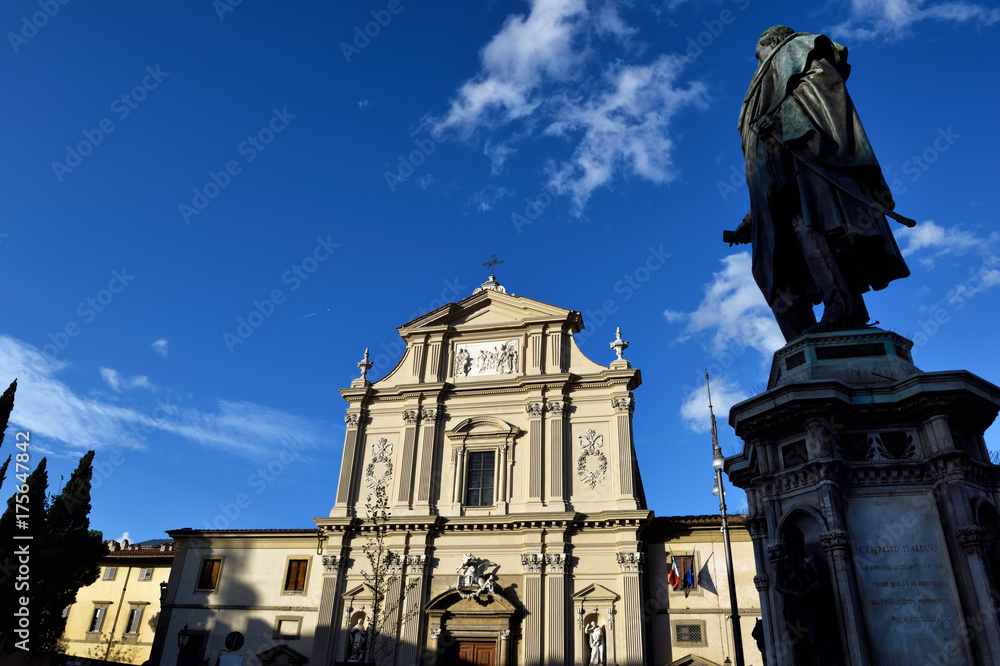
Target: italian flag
674 577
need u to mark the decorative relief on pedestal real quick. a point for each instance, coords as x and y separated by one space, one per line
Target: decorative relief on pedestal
410 416
555 563
591 475
761 582
970 536
775 551
429 415
381 453
630 562
623 405
835 539
534 408
480 359
532 562
557 408
352 420
330 563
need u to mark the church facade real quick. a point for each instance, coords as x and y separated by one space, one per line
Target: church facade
514 512
507 456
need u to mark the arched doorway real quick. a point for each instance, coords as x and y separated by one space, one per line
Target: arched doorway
474 630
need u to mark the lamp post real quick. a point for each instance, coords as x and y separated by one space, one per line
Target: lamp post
717 462
182 641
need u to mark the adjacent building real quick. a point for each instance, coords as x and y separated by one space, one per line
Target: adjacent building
115 617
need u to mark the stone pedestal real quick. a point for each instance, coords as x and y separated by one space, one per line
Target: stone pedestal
873 505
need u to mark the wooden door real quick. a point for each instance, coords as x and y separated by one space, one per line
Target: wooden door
477 654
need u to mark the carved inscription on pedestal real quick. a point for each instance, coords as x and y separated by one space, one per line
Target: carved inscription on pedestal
906 583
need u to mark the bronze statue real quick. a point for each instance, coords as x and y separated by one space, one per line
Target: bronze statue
818 201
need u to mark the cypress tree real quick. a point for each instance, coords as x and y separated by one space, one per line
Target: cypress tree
6 406
72 551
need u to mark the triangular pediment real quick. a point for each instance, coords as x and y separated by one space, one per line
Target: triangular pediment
691 660
595 592
283 654
488 309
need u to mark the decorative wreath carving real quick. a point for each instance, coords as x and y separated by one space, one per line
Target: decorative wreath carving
381 452
591 448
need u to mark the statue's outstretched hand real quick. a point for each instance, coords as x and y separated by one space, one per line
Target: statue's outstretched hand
742 234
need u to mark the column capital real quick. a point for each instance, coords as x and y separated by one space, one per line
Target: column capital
971 536
558 408
410 416
835 540
776 551
624 404
534 409
416 564
332 565
556 563
761 582
532 562
630 562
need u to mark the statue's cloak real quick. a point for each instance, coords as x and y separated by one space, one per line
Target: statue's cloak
802 83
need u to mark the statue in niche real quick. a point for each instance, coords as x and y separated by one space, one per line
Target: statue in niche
462 363
358 638
595 634
818 200
808 604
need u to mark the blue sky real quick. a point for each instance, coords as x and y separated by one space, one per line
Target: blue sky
170 170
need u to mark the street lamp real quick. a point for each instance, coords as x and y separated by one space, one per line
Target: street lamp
183 636
718 462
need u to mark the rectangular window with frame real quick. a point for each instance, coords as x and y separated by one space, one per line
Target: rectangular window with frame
690 634
479 478
688 573
97 620
295 578
209 577
146 573
110 573
134 620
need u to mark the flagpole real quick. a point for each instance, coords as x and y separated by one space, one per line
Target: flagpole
717 462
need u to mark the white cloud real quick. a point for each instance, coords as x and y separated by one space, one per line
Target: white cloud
540 70
55 412
124 537
694 407
892 19
934 241
362 103
608 21
526 51
498 154
484 200
117 382
160 347
624 129
733 311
